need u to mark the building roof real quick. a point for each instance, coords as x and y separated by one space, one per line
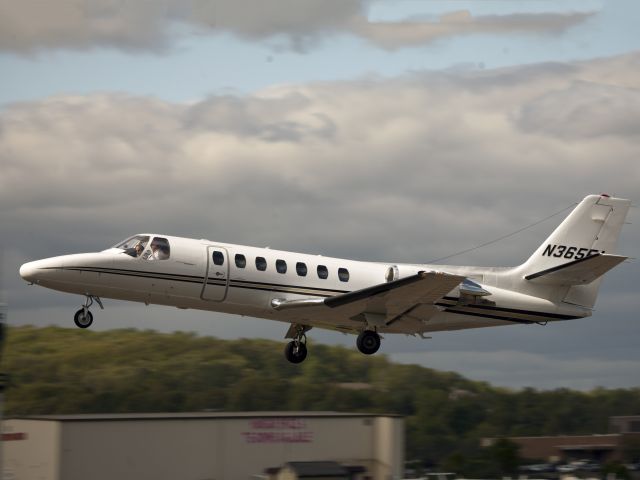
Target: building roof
581 437
317 469
101 417
595 446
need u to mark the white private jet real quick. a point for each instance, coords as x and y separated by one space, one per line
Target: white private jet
558 282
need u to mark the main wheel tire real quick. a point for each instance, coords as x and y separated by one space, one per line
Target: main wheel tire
81 320
368 342
295 354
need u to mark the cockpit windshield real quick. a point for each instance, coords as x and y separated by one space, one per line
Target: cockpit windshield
134 246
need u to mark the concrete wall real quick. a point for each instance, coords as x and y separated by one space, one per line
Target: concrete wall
204 448
389 448
30 450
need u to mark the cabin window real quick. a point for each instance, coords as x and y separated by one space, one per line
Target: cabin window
281 266
218 257
241 262
343 274
322 271
261 263
301 269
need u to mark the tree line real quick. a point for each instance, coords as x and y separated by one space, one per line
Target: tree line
58 370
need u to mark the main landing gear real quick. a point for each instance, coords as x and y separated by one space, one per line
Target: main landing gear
83 317
296 350
368 342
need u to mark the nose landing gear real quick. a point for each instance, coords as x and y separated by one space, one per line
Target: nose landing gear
296 350
83 317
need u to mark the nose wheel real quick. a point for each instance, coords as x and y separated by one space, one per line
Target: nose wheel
295 353
296 350
83 317
368 342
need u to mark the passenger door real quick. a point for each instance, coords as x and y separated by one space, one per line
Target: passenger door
216 280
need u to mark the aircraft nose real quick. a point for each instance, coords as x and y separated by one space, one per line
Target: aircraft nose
28 271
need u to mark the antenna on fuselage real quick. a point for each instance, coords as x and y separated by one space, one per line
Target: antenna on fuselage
503 236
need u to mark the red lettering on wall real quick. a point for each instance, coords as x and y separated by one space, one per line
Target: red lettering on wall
278 430
278 437
12 437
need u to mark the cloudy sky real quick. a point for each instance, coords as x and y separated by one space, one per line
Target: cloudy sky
402 130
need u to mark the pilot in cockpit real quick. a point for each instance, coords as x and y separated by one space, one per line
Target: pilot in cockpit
139 247
134 246
158 251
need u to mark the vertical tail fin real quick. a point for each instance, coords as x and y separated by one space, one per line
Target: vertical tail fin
593 227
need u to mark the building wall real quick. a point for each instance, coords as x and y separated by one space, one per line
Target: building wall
626 424
561 447
389 448
212 448
30 450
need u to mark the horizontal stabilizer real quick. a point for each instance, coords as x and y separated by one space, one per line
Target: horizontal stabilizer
577 272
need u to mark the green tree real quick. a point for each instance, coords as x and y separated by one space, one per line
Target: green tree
62 370
616 468
504 455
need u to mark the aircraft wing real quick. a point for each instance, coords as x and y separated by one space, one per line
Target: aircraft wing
384 303
577 272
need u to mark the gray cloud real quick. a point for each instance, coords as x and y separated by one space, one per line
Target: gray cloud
31 25
392 35
406 169
433 146
583 110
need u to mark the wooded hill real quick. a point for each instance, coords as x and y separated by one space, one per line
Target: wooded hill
61 370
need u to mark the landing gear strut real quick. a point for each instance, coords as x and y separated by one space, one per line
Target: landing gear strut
368 342
83 317
296 350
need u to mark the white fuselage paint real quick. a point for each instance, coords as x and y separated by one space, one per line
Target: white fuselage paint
191 279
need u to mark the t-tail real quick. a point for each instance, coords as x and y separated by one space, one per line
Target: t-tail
572 261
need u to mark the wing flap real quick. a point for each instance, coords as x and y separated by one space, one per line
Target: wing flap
577 272
391 299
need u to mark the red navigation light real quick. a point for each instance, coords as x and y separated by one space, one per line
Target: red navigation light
605 195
